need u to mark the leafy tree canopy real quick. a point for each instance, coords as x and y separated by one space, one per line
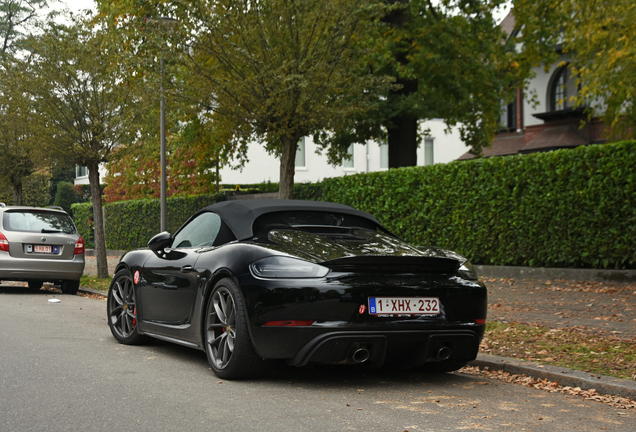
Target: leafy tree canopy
83 95
21 134
15 16
193 153
600 38
272 71
451 60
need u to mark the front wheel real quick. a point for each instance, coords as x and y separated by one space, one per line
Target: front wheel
122 310
227 342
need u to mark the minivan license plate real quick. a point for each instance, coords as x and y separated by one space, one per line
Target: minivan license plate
404 305
42 249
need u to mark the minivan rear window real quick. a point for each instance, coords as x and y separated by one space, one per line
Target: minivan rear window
38 222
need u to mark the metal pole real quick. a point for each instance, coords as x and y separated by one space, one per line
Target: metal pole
164 219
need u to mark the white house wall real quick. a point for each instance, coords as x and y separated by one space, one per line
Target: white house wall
82 180
447 146
263 167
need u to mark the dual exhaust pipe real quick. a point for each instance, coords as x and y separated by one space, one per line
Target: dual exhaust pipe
362 354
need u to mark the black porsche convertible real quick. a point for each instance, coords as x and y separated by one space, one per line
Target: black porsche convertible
309 282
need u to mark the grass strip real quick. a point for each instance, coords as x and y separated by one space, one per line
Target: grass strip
574 347
94 282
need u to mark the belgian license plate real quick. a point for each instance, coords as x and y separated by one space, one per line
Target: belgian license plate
42 249
404 305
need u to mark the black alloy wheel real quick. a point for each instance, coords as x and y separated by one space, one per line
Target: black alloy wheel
227 343
122 316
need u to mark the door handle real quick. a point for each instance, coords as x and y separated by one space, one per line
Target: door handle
186 269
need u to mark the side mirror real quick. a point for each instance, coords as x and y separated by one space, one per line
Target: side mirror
159 243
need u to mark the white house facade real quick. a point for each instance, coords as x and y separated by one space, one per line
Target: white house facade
545 117
437 146
81 174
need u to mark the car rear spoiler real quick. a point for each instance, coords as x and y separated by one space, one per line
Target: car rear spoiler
394 264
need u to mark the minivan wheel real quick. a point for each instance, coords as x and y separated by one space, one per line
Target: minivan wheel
35 285
70 287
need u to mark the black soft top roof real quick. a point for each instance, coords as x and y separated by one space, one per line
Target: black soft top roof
239 215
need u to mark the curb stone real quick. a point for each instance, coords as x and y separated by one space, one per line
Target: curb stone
549 273
564 376
93 291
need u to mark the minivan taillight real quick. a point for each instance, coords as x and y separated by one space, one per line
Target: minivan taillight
4 244
79 246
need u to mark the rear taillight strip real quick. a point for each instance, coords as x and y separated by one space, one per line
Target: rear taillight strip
4 244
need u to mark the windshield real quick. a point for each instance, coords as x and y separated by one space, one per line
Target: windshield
38 221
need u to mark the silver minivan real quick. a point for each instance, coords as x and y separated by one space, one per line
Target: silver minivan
40 245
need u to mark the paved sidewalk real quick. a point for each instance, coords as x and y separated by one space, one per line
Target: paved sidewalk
598 306
602 308
91 265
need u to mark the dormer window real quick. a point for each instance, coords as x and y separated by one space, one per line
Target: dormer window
563 89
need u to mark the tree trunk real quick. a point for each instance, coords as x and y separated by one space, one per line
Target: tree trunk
17 194
403 142
287 167
402 134
98 219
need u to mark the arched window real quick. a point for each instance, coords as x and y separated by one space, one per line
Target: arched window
563 88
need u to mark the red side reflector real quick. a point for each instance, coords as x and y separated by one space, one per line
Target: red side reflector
79 246
4 244
480 321
288 323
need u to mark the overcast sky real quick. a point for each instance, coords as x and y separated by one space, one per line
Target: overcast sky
77 5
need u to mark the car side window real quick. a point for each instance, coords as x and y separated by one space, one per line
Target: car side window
201 231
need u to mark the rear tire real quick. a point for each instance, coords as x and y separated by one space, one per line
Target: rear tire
227 343
35 285
70 287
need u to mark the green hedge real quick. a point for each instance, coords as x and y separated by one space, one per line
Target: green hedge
83 218
130 224
566 208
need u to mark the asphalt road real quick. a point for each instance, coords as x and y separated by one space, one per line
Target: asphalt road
61 370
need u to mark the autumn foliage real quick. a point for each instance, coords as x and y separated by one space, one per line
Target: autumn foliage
192 158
